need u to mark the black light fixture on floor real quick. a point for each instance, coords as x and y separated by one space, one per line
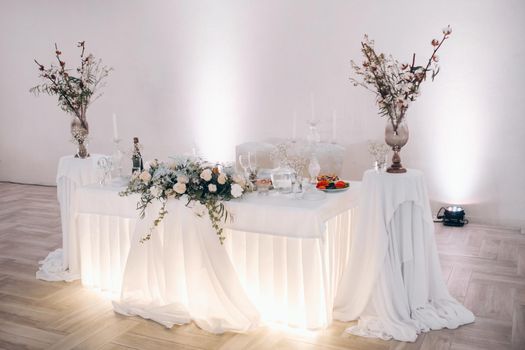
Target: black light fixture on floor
453 215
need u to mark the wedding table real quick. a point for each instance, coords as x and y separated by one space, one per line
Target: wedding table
282 259
393 282
367 254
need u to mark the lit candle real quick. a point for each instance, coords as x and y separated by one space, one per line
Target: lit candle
294 125
115 130
334 126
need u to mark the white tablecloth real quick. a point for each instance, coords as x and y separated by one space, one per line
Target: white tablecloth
393 282
62 264
281 262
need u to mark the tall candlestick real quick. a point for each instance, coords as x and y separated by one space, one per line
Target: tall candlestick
334 126
294 125
312 106
115 130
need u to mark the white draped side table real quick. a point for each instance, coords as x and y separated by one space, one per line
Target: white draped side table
393 283
72 173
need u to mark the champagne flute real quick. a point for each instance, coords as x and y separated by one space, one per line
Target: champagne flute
313 169
244 163
252 161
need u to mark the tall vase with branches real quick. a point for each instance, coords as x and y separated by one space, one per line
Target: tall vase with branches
76 90
395 86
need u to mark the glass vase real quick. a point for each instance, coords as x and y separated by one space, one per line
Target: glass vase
80 132
396 136
282 179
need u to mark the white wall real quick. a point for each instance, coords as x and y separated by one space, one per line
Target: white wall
217 73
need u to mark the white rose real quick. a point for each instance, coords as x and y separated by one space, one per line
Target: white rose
183 179
212 188
236 191
179 187
145 176
206 174
222 179
238 179
155 191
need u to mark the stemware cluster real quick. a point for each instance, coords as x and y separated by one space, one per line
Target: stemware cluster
248 163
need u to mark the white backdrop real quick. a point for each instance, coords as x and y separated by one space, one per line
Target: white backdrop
216 74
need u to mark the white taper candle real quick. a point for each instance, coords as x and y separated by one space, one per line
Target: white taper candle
115 130
294 126
312 106
334 126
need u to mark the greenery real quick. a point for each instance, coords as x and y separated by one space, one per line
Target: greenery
202 186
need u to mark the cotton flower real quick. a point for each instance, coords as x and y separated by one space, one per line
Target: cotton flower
183 179
145 176
447 30
222 179
236 191
179 187
206 174
405 88
212 188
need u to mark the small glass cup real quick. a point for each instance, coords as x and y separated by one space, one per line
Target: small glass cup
263 186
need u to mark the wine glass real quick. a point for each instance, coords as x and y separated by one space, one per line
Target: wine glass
313 134
244 162
313 169
252 161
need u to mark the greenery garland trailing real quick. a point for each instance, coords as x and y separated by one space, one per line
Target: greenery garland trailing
202 185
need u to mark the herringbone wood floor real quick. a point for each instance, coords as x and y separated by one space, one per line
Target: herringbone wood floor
484 268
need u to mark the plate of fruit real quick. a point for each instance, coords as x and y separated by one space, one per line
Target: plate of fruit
331 183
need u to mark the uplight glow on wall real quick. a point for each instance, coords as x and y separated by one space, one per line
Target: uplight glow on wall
216 114
215 79
460 129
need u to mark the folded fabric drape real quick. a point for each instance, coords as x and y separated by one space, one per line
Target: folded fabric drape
183 274
394 261
72 173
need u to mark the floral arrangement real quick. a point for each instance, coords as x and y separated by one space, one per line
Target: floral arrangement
395 84
378 150
203 186
283 157
76 89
